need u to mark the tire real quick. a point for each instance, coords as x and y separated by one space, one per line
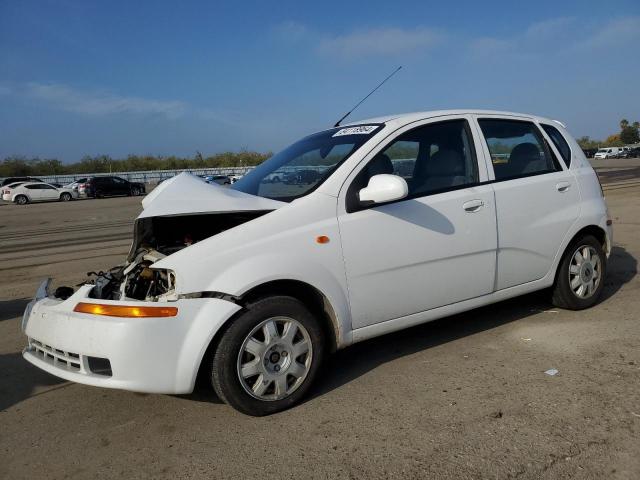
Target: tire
134 192
286 378
65 197
580 275
21 200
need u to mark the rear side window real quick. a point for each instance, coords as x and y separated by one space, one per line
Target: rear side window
560 143
517 149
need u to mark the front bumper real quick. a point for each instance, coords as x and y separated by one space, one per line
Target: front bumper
154 355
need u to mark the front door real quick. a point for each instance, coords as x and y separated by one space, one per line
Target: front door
120 186
434 248
48 192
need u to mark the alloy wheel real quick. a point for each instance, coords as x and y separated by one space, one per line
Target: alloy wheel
585 271
275 358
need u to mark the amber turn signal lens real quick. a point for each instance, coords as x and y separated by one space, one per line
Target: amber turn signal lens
125 310
322 239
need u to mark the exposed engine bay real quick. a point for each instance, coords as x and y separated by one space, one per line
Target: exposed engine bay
154 239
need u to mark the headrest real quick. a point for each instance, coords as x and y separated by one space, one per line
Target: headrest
381 163
445 163
524 153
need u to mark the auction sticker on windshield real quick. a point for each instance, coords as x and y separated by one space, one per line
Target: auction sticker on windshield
359 130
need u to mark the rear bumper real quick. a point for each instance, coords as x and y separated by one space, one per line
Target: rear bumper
155 355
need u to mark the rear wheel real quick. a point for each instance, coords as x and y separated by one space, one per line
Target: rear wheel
135 191
580 278
65 197
21 200
269 357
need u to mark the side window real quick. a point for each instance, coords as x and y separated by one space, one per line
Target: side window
32 187
47 187
560 143
403 155
517 149
433 158
118 180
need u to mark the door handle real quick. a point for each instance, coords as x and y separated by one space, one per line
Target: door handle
472 206
563 186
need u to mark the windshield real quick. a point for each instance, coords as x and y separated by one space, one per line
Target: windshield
303 166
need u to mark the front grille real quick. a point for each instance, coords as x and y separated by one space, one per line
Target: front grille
70 361
56 357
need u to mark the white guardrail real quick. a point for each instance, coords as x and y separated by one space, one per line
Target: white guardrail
150 176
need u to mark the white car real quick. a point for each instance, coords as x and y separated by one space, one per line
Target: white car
39 192
6 190
256 283
78 185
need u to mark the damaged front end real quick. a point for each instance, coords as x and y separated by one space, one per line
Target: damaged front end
183 212
135 280
156 238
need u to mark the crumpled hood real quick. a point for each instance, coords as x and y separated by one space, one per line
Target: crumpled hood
186 194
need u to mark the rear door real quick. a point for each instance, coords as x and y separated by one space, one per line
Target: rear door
106 186
34 191
537 198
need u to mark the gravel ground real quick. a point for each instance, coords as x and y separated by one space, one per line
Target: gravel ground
463 397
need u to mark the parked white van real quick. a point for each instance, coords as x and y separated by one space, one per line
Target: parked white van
413 218
609 152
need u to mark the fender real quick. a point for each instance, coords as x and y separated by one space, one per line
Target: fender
593 212
273 267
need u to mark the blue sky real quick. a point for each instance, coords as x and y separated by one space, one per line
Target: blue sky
118 77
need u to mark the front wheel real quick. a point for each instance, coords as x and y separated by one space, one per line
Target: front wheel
580 278
65 197
269 357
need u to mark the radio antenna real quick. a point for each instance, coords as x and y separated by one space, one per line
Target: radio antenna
370 93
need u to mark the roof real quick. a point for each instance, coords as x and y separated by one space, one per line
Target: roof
404 118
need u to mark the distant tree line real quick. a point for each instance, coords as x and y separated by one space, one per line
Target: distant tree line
20 166
629 135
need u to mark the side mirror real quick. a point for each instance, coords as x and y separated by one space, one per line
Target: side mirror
384 188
